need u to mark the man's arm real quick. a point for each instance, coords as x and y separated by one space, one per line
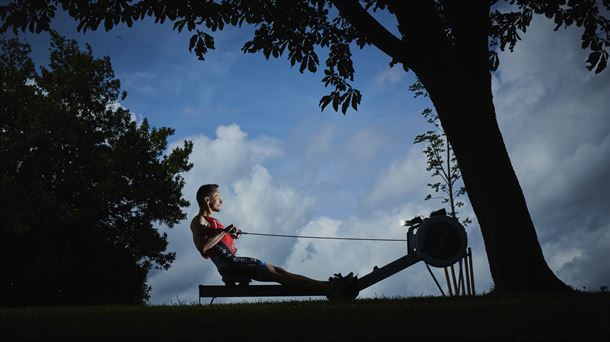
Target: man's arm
212 238
204 236
209 236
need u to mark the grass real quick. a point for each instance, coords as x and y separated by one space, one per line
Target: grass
583 316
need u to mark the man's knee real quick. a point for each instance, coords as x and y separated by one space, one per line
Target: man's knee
280 270
275 272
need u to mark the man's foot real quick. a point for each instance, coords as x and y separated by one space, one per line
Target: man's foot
343 287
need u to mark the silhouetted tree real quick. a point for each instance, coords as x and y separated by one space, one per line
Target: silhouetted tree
441 160
80 183
450 46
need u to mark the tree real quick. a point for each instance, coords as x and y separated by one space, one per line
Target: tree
441 160
81 183
449 45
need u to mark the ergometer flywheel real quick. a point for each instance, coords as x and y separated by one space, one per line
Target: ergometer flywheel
440 241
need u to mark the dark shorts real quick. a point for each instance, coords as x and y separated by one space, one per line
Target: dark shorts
241 267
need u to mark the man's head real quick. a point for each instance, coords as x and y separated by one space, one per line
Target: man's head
208 197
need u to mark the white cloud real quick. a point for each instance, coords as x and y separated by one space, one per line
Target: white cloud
134 117
584 267
229 156
389 77
141 81
321 142
262 206
404 178
365 144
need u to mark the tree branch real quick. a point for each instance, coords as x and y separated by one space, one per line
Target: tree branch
374 32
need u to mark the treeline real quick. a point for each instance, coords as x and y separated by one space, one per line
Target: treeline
81 183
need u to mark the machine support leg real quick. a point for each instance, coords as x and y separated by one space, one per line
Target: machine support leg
448 282
435 281
467 272
471 271
455 283
461 286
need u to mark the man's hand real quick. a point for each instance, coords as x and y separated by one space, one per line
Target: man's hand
231 229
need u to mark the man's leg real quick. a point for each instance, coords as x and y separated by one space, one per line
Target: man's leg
340 288
280 275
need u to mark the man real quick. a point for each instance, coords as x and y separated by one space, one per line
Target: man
217 242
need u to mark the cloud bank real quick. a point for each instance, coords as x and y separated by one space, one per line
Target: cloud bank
555 117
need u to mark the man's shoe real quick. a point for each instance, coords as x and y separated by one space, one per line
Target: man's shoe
343 287
351 289
337 285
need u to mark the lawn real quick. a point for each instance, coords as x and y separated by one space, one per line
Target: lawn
578 317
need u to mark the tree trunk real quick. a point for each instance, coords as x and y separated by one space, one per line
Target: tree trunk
458 81
515 257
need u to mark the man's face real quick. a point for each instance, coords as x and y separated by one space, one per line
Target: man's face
215 201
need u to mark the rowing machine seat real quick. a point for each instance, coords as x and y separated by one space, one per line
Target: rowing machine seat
236 280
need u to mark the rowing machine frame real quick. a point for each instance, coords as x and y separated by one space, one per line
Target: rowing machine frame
418 233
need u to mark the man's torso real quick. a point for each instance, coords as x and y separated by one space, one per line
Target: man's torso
225 248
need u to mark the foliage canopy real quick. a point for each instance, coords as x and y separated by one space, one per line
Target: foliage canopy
81 183
299 27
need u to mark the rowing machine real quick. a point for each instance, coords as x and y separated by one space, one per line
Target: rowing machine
439 241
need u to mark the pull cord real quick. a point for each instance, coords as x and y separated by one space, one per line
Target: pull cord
322 237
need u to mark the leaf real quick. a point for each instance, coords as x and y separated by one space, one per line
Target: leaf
108 23
311 65
346 103
179 24
336 100
248 47
324 101
209 41
603 60
356 100
593 59
303 66
192 42
81 25
494 61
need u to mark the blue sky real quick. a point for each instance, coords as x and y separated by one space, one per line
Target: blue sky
286 167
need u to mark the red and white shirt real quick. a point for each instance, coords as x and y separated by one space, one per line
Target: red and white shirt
226 242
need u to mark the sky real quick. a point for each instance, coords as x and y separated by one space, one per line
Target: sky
285 167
